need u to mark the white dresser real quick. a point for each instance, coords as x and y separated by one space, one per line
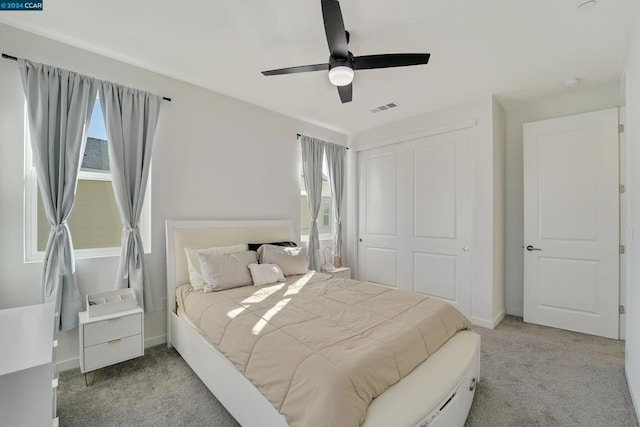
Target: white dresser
110 339
26 366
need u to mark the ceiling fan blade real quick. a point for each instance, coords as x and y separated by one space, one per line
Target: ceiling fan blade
346 93
368 62
299 69
334 29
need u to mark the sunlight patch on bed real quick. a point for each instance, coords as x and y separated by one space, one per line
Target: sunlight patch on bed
258 327
296 286
262 294
233 313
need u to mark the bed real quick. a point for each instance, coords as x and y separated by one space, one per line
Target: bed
437 392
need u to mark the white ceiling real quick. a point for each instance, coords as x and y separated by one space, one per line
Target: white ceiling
512 48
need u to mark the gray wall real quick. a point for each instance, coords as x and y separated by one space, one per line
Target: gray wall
215 157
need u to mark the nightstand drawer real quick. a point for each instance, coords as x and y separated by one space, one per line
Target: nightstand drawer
111 352
111 329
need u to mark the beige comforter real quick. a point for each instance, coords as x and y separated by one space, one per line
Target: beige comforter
321 348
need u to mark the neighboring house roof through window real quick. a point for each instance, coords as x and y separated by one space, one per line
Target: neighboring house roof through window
96 152
96 155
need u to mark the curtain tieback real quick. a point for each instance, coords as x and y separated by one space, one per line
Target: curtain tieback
130 246
59 228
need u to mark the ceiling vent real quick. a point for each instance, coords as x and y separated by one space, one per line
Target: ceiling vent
385 107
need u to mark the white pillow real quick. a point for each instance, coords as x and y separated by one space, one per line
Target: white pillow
193 262
263 274
227 271
290 260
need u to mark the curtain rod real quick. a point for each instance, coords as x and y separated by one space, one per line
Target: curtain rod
13 58
298 136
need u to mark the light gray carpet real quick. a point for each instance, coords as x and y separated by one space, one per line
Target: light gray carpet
530 376
537 376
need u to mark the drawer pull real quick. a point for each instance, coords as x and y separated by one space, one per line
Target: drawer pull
472 386
120 339
114 319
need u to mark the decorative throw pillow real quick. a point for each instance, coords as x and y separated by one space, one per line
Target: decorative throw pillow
290 260
227 271
263 274
256 246
193 262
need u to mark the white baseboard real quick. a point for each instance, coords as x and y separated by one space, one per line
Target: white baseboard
498 318
154 341
490 324
635 398
65 365
515 311
74 362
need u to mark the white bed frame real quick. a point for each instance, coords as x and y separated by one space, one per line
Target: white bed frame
439 392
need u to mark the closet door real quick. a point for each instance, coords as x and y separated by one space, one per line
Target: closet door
439 216
416 216
379 227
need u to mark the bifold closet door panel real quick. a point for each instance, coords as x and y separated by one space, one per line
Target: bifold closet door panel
439 216
379 228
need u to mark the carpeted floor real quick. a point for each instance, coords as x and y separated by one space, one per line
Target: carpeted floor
530 376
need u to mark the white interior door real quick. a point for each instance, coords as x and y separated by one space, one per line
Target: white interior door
379 228
571 218
439 216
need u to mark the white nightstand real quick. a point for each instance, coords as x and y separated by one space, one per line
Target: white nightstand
342 272
110 339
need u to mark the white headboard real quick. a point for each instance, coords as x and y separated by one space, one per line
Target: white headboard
209 233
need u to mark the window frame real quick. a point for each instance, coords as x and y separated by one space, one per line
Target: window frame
31 253
328 215
304 238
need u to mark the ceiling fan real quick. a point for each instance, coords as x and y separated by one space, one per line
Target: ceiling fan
342 63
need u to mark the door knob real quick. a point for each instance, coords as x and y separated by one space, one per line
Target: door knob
360 240
531 248
466 249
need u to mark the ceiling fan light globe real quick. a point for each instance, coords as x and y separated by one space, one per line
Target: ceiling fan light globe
341 75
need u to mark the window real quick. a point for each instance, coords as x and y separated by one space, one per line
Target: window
94 221
325 217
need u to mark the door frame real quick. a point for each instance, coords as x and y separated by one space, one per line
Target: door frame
622 168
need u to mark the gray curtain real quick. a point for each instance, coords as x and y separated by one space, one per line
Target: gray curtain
130 116
59 104
312 152
336 156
